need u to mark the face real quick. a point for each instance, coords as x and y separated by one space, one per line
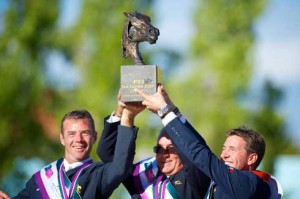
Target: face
234 153
78 139
168 161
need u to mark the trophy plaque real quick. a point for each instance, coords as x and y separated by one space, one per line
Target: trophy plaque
137 29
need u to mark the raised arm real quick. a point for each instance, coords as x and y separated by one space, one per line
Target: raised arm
108 139
232 182
107 142
120 168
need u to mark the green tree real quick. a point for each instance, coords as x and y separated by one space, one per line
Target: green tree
32 102
216 88
272 125
221 67
23 117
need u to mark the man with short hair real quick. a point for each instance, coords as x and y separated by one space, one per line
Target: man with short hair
76 175
162 176
235 174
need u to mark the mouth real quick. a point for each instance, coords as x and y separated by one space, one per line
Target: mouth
228 163
79 148
152 39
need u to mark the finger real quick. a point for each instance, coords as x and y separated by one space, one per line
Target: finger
122 104
119 95
159 88
140 92
144 103
165 93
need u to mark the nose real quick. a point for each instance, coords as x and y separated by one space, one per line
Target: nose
78 137
154 31
164 155
224 154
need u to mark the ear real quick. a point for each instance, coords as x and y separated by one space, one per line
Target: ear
95 137
252 158
127 14
62 139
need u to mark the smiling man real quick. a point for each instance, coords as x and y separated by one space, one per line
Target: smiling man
167 158
163 176
235 175
76 175
243 149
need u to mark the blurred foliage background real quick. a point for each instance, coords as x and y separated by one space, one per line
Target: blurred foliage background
48 68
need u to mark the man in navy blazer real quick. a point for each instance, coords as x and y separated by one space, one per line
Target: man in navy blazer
235 174
75 175
184 179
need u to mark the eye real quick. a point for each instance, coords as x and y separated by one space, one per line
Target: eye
134 19
86 133
232 149
171 149
71 134
156 149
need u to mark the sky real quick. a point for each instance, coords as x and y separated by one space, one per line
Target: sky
276 51
278 56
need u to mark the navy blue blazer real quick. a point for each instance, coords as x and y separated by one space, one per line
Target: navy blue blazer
99 179
230 183
194 184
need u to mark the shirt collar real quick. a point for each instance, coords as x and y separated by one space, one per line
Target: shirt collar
74 165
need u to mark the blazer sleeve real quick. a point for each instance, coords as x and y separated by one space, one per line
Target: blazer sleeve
120 168
233 182
29 191
197 179
107 142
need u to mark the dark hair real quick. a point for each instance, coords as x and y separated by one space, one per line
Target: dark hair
255 142
77 115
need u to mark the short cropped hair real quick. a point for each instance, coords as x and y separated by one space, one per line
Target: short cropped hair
255 142
77 115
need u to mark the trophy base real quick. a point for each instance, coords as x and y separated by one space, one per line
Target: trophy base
145 77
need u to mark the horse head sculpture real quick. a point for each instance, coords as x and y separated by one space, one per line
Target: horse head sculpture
137 28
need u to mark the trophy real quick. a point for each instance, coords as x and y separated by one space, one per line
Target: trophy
138 28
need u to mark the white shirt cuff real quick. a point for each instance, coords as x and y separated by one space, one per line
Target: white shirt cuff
170 116
113 118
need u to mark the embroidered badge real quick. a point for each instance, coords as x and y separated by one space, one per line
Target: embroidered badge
48 171
177 182
78 188
215 189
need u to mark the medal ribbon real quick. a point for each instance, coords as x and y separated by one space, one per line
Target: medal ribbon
66 185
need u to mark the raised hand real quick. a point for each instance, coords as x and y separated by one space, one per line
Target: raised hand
131 110
156 101
121 106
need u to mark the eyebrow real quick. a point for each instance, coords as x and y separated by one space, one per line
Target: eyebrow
83 131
